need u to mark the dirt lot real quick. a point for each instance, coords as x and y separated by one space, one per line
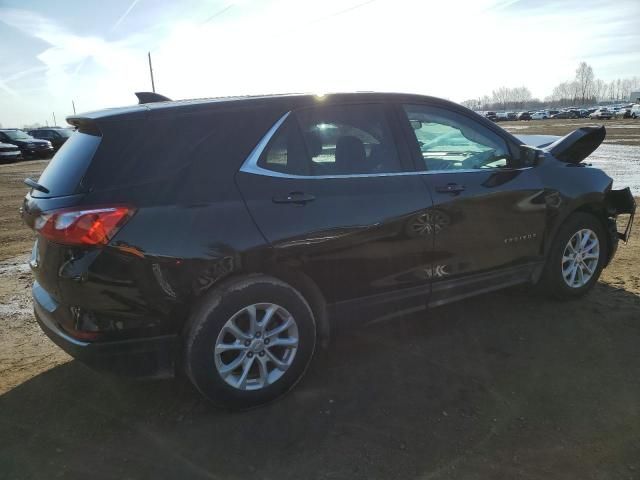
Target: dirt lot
502 386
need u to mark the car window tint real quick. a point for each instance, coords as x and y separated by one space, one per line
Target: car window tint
349 139
449 141
334 140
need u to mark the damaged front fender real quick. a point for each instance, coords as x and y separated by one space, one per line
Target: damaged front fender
621 202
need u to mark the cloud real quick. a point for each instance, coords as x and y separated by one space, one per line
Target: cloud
457 49
62 63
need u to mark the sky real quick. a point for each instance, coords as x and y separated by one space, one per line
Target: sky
94 53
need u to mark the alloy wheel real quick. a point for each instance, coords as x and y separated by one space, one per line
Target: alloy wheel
256 346
580 258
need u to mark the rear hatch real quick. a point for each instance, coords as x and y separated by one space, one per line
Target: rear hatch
59 187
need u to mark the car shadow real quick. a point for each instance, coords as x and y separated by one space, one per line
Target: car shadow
502 386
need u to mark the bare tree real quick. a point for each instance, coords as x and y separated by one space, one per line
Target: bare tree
584 80
599 89
584 89
500 96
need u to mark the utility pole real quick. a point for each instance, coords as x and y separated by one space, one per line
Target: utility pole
74 106
54 119
153 86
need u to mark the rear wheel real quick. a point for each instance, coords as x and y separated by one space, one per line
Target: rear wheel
249 342
576 258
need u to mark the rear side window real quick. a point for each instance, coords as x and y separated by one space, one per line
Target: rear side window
167 147
334 140
68 166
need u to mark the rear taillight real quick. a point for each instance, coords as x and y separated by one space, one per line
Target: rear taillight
88 227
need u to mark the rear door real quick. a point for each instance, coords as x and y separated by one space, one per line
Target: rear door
329 188
488 211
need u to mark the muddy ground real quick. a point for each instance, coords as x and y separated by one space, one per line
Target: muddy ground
507 385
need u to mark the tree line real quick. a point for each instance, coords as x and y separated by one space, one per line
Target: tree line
583 90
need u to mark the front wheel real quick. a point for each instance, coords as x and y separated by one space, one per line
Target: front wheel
249 342
576 257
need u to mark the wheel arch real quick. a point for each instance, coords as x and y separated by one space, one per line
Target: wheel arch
312 294
594 205
292 277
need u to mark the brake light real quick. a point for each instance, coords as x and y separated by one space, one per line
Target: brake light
87 227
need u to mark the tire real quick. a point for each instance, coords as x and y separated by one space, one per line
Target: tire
209 334
553 282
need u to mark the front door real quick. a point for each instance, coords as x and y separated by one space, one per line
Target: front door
330 191
488 214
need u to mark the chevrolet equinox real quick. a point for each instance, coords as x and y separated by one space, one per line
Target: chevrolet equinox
224 238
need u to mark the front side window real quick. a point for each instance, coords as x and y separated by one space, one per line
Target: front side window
449 141
334 140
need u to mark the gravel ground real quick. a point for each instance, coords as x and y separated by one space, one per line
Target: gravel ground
506 385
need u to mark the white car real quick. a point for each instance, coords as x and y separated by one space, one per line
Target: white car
539 116
635 110
601 114
9 152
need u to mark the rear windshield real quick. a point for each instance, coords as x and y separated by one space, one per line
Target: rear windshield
68 166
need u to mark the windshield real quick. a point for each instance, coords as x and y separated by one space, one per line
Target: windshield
17 135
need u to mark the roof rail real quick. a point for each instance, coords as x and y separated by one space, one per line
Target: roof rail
151 97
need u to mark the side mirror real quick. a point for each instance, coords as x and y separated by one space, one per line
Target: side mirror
530 156
416 124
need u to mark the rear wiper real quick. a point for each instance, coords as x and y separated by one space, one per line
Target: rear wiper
35 185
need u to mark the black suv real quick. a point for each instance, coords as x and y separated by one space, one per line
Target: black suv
57 136
29 146
226 237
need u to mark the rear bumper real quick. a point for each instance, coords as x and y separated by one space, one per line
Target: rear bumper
139 357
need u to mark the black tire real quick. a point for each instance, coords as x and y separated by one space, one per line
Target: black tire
208 320
552 282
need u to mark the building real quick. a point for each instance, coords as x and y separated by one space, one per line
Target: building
634 97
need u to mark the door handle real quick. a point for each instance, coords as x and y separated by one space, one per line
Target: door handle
299 198
450 188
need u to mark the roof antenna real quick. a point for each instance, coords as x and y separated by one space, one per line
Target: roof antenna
151 97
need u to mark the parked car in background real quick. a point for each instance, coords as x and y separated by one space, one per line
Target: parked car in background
9 152
601 114
491 116
502 117
623 113
57 136
539 116
635 111
552 112
524 116
29 146
564 115
313 211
